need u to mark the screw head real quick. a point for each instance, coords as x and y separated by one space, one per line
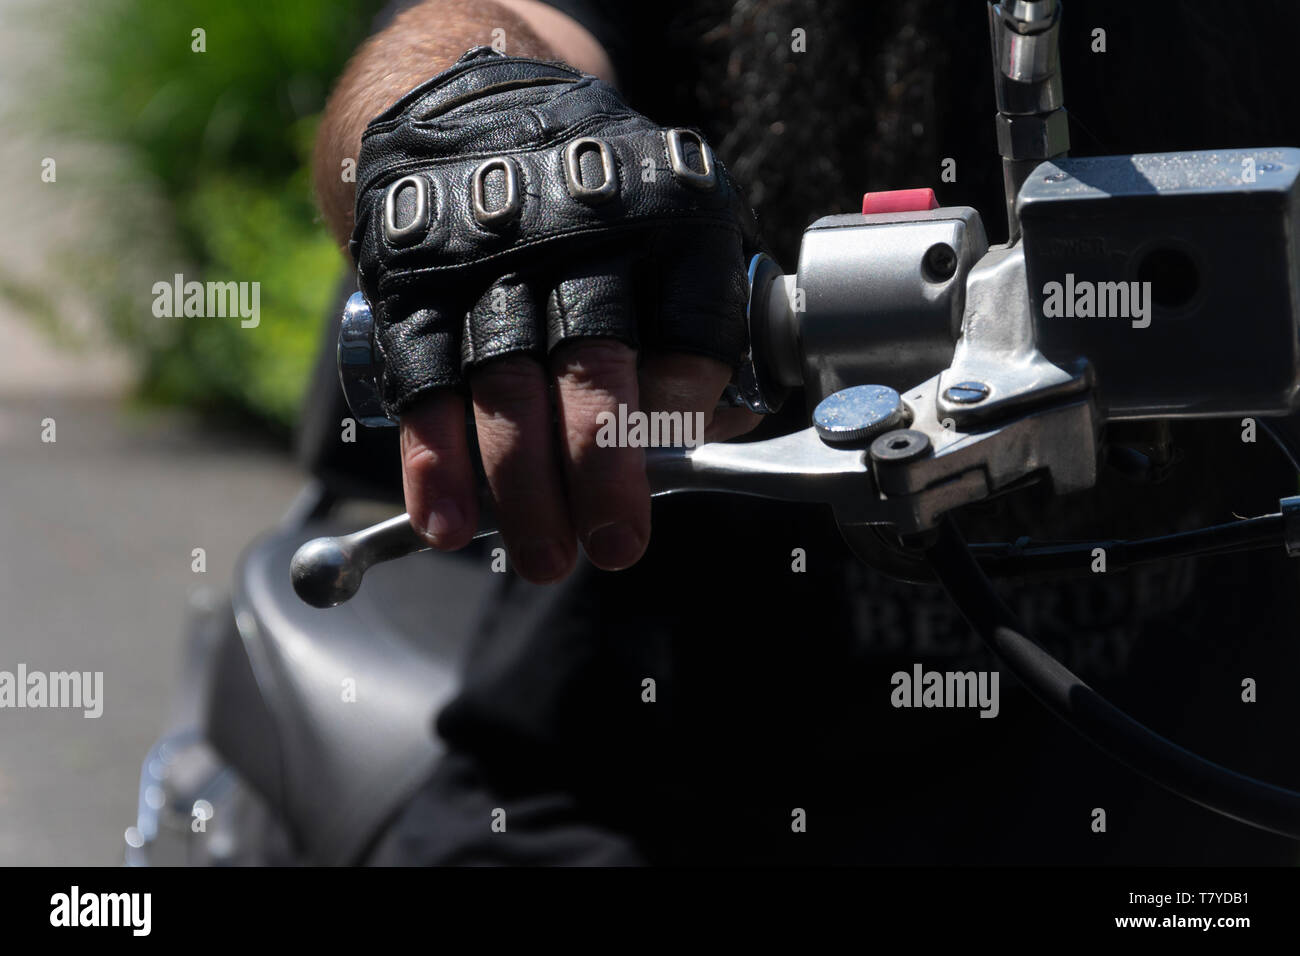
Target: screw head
859 412
966 393
939 262
902 444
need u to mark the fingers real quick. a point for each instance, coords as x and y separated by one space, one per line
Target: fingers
437 478
679 381
608 492
551 487
692 384
512 411
731 423
601 494
591 324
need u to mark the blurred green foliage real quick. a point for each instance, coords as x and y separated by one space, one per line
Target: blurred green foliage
221 139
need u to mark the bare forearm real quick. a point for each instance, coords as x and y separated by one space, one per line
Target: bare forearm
420 43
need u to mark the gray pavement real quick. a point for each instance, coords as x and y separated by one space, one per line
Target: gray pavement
96 535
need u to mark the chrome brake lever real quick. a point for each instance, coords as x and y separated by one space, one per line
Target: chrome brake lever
908 478
799 467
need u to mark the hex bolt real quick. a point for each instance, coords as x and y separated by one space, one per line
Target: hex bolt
966 393
900 445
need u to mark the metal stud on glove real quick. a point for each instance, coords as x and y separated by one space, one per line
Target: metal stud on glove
508 205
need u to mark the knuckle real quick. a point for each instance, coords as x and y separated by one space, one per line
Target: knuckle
597 365
430 451
424 460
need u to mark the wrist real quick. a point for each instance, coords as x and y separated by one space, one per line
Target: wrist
420 43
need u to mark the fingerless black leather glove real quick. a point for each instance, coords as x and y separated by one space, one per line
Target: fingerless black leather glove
508 205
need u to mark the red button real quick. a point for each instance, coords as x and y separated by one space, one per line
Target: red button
899 200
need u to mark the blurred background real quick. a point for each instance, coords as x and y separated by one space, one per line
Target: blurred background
171 434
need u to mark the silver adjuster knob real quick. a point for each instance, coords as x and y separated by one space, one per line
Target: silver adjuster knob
857 413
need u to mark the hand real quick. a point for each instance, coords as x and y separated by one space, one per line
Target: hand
505 262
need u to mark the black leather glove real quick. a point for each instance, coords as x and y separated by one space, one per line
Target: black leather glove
508 205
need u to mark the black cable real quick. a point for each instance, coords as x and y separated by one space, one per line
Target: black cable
1001 559
1283 442
1217 788
1026 558
1048 557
